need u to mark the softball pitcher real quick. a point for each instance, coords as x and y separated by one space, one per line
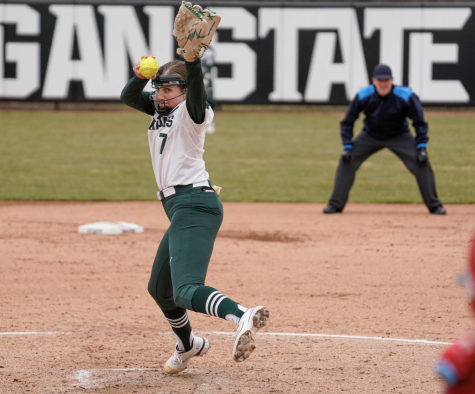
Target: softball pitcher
179 118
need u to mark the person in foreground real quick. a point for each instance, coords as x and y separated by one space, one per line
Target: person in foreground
457 365
387 108
179 118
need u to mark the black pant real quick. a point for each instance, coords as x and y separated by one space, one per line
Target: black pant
404 146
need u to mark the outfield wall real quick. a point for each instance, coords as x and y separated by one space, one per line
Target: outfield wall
266 53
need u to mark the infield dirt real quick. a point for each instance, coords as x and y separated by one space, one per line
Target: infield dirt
376 270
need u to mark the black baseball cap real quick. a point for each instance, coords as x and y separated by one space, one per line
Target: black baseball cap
381 71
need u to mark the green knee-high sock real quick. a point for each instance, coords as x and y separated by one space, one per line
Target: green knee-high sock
214 303
178 319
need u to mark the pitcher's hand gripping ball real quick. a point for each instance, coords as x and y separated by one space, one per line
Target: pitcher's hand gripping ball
194 29
148 67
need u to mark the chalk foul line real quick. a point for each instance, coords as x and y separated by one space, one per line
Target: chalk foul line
288 334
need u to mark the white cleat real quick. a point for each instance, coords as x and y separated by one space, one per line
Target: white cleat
180 359
252 320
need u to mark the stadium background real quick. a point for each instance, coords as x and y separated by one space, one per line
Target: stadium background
78 57
302 53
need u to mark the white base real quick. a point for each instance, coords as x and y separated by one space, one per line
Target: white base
110 228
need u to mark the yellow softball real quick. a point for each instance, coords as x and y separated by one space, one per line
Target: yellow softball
148 67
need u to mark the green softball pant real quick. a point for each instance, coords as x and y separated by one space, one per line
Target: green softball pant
184 253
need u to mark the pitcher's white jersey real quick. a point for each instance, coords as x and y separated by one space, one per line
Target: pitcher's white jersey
177 147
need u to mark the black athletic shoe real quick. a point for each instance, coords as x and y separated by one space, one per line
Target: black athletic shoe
331 209
439 211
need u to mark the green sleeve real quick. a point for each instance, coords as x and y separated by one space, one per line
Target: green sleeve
196 93
134 96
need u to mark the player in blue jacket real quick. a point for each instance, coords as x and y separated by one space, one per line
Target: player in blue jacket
387 108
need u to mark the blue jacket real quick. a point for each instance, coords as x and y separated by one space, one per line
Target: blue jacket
386 117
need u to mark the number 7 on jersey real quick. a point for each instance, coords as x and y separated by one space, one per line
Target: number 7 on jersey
163 141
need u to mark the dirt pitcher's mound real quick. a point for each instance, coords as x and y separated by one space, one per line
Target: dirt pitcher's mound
76 316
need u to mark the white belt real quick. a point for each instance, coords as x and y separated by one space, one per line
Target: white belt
170 191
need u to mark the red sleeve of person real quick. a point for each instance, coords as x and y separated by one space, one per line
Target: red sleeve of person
457 365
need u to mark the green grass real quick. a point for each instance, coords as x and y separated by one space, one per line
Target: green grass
253 156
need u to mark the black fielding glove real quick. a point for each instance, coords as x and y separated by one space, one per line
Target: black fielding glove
421 155
346 154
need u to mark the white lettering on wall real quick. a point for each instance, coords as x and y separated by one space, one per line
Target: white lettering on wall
103 75
286 23
392 22
123 35
104 63
161 41
25 55
323 72
423 53
285 53
241 57
61 70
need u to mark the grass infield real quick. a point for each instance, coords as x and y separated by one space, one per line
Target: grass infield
257 156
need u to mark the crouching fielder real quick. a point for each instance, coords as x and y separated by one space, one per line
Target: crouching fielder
179 118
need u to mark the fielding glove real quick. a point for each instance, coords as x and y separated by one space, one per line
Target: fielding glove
346 154
421 153
194 29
